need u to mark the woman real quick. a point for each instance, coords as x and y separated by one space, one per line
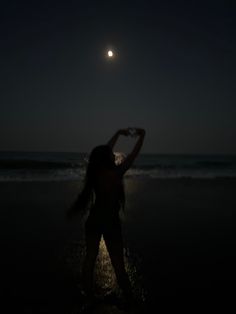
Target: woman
104 181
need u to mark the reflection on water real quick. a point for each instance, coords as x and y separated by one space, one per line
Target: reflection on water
104 276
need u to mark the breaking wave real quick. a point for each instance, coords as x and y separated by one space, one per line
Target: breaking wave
72 166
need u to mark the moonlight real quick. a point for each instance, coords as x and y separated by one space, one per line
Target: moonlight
110 54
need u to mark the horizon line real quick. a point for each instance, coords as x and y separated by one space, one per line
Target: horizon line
141 153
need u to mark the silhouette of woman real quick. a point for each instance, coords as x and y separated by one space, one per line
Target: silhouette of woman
104 180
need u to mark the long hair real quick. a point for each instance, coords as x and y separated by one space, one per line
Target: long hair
100 158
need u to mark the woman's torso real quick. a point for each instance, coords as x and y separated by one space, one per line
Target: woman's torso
108 189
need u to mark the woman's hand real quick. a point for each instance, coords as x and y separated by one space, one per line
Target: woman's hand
124 132
140 131
136 132
131 132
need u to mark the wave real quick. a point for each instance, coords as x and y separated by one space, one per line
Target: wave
214 164
71 174
37 164
72 166
196 165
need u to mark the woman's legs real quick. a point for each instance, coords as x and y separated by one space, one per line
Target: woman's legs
114 243
92 238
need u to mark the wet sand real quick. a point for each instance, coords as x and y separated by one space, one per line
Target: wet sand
181 230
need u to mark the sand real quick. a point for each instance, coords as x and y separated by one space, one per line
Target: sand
179 230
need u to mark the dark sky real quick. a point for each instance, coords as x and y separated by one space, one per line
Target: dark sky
173 74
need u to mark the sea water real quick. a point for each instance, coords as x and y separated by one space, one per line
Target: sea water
57 166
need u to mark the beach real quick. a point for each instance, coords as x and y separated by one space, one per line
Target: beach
179 230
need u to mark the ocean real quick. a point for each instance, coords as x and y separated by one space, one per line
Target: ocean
57 166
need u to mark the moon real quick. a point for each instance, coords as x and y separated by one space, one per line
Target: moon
110 53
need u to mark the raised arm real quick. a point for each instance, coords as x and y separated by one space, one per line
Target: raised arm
127 163
115 137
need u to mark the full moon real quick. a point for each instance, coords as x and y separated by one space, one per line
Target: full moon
110 54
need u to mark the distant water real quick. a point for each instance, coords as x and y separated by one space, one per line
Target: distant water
55 166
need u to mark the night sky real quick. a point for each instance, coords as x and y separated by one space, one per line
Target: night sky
172 74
